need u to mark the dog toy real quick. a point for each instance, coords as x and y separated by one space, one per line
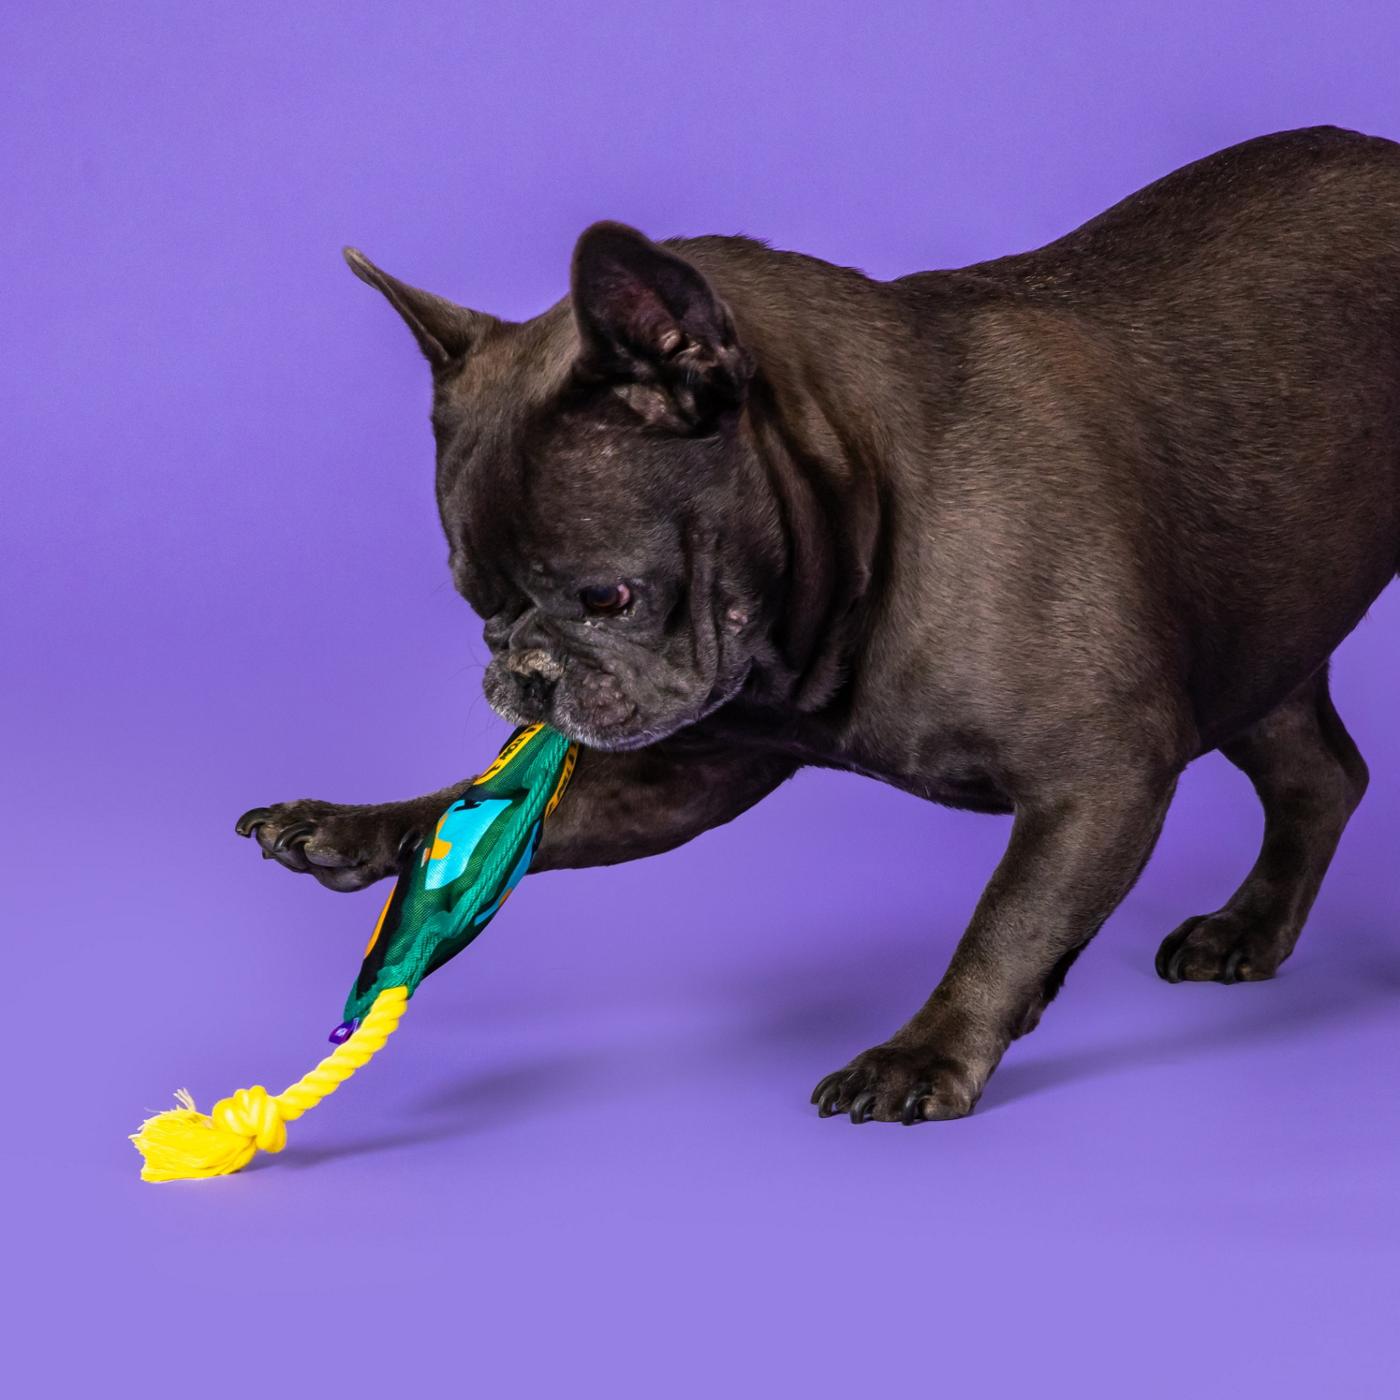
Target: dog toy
448 889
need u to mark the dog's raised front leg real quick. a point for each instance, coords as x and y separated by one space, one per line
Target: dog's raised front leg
1070 861
619 806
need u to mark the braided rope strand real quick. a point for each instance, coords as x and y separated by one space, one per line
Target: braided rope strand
381 1021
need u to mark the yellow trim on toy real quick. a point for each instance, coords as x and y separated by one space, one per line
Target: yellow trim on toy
565 773
508 753
183 1143
378 926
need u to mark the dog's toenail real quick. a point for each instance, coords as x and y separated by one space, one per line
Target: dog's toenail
299 831
251 820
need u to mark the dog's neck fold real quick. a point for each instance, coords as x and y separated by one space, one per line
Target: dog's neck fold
818 429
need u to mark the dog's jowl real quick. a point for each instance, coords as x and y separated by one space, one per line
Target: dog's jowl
1027 536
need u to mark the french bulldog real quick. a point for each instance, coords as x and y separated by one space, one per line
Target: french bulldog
1027 536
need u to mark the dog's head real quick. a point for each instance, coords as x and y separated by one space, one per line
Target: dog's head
601 497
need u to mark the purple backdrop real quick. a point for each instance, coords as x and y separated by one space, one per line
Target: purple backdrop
588 1162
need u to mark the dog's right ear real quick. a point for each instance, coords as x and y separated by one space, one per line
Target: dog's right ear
647 316
445 332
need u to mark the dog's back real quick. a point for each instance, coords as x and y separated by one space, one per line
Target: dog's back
1229 337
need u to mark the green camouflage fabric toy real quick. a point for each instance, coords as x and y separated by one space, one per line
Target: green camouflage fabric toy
449 887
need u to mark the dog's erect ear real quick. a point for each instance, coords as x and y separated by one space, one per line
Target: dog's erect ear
648 317
444 331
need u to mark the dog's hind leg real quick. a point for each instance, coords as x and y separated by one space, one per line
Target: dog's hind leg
1309 776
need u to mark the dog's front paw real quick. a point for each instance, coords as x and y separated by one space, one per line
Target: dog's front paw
1225 947
345 848
898 1084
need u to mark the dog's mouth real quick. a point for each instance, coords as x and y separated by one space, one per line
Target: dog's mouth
634 727
597 712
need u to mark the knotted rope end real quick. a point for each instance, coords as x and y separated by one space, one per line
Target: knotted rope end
184 1144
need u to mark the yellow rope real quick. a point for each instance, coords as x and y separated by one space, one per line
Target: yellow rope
182 1142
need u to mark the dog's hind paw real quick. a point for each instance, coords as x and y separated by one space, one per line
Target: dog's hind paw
1224 947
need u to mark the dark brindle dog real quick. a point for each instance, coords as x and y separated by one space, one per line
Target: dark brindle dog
1024 537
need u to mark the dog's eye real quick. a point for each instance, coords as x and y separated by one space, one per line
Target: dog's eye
602 598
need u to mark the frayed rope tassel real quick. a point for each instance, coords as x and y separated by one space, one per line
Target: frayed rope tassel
183 1143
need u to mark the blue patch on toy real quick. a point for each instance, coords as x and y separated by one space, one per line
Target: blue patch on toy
460 831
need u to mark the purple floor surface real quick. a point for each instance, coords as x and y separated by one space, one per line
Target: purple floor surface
587 1164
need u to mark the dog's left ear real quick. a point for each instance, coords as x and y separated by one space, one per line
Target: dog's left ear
445 332
649 320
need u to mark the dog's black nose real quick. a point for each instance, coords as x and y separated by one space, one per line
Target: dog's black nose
536 673
534 694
